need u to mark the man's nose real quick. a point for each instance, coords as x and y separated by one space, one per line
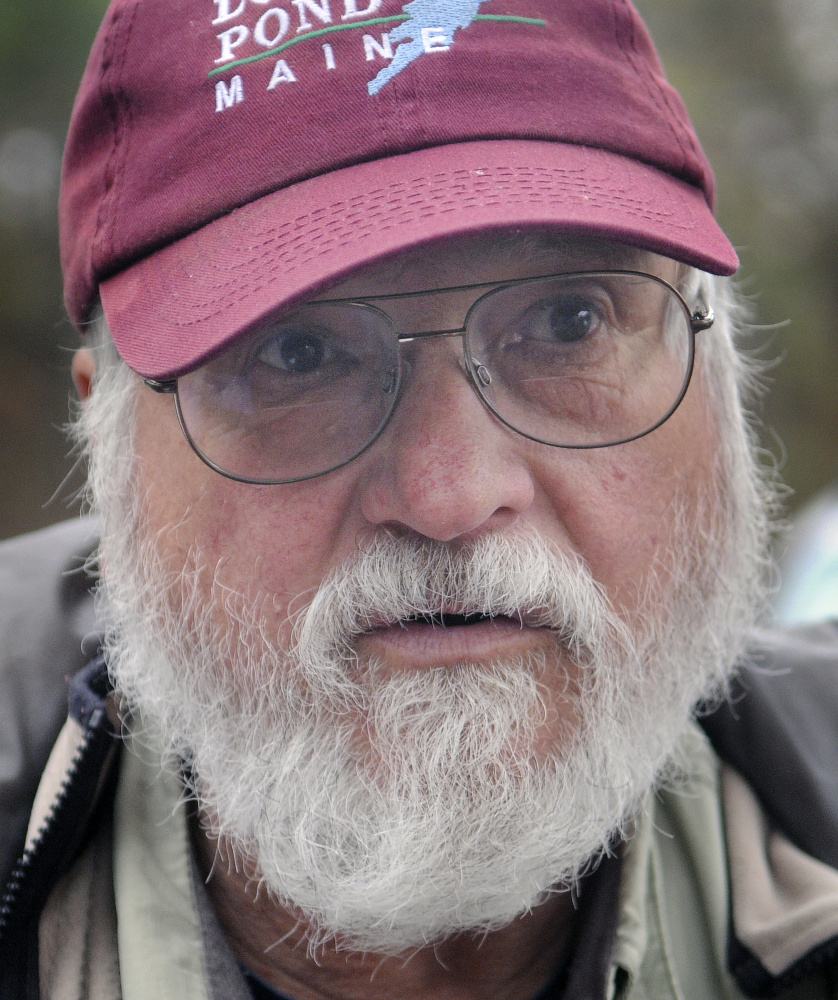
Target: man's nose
445 466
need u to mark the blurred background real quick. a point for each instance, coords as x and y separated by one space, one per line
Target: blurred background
760 78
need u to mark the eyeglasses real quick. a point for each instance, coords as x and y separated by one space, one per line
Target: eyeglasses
583 360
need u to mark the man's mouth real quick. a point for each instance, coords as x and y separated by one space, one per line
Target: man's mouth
452 620
449 620
447 637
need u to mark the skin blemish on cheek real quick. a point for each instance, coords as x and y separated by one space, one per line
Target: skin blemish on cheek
614 477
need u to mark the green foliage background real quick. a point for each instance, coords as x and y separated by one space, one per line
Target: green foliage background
760 78
43 48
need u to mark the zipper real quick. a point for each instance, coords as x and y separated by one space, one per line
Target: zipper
84 790
29 857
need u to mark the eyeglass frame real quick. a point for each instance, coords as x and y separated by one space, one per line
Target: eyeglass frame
699 319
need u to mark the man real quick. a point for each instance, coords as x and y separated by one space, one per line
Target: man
429 516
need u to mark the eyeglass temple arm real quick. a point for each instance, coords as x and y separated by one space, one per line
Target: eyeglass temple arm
703 317
167 386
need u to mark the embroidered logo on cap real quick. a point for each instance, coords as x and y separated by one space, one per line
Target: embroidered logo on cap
422 27
430 28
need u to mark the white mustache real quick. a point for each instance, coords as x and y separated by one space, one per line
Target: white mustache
395 579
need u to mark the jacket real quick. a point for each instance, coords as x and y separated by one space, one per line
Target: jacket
728 887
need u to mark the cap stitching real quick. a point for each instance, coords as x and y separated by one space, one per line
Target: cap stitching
323 235
405 103
690 138
110 105
112 98
685 133
119 191
651 87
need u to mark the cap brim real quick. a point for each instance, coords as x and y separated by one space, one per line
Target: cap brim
174 309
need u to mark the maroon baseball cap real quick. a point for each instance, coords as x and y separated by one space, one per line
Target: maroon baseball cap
230 158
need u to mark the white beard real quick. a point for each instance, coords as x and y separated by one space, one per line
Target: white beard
391 809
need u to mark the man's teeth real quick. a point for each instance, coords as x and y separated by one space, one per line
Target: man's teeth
448 620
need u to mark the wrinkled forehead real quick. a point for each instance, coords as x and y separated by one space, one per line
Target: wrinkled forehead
498 255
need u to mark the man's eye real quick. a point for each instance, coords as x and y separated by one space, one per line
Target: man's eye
297 351
569 320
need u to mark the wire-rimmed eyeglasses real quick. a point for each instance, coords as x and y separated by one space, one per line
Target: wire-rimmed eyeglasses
583 360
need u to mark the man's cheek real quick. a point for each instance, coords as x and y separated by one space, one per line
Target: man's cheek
281 539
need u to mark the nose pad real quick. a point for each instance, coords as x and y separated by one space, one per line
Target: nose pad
482 373
475 374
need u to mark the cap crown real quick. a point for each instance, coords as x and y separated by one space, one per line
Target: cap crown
189 110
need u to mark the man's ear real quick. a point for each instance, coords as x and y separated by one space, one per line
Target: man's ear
84 370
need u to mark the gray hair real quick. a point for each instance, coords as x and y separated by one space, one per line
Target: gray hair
102 428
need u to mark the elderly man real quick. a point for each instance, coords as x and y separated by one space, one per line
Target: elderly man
429 515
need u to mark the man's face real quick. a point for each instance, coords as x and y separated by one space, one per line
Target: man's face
450 775
445 469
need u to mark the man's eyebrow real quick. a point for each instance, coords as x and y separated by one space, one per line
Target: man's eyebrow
544 248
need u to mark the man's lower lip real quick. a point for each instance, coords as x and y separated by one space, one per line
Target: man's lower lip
420 644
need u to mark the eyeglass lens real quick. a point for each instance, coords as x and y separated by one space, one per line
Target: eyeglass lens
582 361
574 361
